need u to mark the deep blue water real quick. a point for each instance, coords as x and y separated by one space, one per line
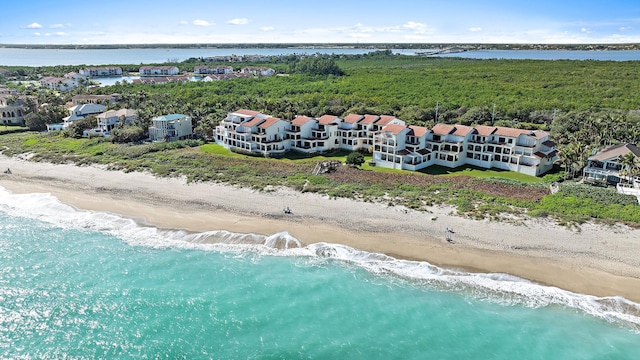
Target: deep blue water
78 284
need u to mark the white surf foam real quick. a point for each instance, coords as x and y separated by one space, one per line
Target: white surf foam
500 288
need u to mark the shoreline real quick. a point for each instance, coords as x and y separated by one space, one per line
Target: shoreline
598 260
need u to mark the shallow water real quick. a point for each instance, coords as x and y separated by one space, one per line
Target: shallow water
81 284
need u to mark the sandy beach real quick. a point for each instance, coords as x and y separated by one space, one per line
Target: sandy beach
599 260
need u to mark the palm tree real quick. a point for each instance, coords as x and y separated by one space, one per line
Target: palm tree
630 166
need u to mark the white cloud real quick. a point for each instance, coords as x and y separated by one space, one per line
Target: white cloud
475 29
36 33
625 28
184 22
267 28
57 26
201 23
34 25
59 33
238 21
585 30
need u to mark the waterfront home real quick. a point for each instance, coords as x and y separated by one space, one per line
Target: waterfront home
94 99
607 165
13 107
218 70
158 70
101 71
258 70
617 165
170 128
107 120
402 147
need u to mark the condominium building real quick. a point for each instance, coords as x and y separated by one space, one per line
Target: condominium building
393 144
101 71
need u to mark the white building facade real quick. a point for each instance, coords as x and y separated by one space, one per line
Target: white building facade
170 128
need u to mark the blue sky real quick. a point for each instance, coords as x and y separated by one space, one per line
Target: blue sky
328 21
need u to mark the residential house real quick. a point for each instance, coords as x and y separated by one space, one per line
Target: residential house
170 128
13 107
605 165
107 120
258 70
101 71
608 166
158 70
77 112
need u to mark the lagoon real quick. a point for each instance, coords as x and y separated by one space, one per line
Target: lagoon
53 57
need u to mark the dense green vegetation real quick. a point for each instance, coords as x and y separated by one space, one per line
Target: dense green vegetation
584 104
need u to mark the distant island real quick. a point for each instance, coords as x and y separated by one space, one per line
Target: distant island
466 47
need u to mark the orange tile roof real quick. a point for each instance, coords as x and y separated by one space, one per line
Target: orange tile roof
442 129
510 132
394 128
268 122
369 119
252 122
327 119
247 112
418 131
385 119
353 118
462 130
300 120
484 130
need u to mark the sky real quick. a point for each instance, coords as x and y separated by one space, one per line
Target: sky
312 21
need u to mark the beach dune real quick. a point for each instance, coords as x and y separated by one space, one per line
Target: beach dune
600 260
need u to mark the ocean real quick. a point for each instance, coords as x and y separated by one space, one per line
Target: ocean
83 285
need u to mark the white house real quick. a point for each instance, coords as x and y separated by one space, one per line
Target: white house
107 120
158 70
300 134
170 128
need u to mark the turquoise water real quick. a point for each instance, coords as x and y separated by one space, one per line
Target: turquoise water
77 284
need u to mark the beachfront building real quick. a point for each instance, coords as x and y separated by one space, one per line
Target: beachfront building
395 145
617 165
606 166
158 70
101 71
217 70
170 128
160 80
107 120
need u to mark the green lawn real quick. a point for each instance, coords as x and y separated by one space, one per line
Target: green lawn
213 148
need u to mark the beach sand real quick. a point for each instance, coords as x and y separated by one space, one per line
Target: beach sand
599 260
